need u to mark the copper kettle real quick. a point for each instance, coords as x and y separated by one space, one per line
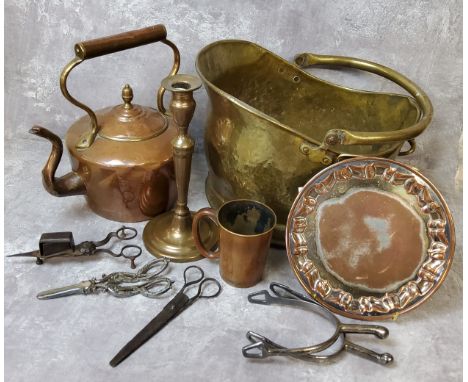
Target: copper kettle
121 156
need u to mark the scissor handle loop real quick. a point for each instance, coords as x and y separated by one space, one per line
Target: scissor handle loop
214 293
122 234
126 233
123 253
194 281
129 248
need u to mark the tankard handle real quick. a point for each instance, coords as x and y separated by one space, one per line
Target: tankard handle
86 50
345 137
208 213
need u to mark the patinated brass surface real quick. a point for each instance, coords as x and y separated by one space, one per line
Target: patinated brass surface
272 125
373 301
170 235
121 156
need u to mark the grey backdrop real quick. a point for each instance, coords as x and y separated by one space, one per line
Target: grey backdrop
61 341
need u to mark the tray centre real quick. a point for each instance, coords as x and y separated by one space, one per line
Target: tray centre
370 239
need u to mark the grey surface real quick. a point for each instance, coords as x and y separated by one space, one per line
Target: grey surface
73 339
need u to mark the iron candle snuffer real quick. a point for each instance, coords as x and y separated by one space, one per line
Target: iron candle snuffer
121 156
170 234
62 244
272 125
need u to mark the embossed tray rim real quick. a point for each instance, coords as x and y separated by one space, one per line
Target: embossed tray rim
370 314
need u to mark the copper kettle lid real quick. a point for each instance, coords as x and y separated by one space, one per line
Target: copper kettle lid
130 122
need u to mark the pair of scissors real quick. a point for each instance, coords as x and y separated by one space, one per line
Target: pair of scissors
176 306
147 282
61 244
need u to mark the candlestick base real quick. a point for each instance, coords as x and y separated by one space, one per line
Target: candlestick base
170 236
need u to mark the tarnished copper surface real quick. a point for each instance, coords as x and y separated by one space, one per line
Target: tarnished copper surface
86 50
370 239
121 156
272 125
245 231
381 295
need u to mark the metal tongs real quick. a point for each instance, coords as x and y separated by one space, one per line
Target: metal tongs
62 244
147 282
262 347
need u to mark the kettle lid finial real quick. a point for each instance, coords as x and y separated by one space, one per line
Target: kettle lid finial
127 96
130 122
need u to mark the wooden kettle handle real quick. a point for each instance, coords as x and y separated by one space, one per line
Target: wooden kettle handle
122 41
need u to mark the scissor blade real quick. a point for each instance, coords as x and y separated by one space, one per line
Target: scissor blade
68 290
26 254
171 310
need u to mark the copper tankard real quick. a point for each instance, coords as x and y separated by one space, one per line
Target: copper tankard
245 231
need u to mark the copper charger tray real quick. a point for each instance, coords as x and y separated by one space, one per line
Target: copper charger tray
394 178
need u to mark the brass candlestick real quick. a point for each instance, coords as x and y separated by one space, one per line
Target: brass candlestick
170 234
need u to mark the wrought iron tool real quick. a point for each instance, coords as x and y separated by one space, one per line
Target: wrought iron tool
61 244
176 306
262 347
146 281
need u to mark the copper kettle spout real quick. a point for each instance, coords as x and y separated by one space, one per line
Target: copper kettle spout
67 185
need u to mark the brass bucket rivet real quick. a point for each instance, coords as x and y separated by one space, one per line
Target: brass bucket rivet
299 60
305 149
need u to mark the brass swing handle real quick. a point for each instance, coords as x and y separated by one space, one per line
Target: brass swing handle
86 50
344 137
